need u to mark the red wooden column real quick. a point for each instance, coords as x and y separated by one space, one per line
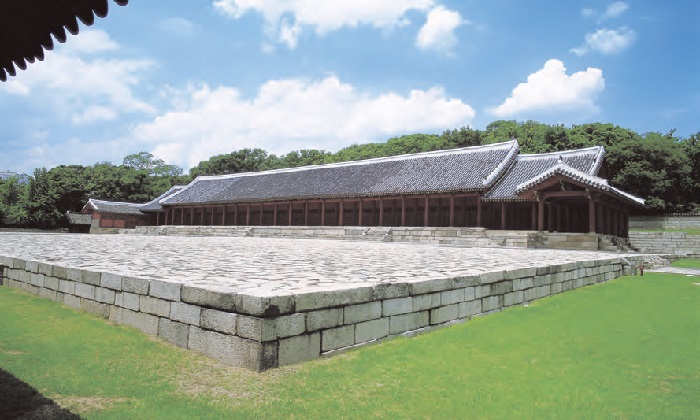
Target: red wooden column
182 216
247 214
426 212
540 215
213 213
503 215
291 211
591 215
323 212
403 211
452 210
341 215
478 210
223 216
360 209
158 219
381 211
262 213
235 214
306 213
274 216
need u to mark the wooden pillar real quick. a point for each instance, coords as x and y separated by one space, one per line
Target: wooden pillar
381 211
274 216
559 221
247 214
403 211
262 214
452 210
291 212
323 212
182 216
223 216
503 215
235 214
533 216
426 212
360 211
306 213
540 215
341 213
478 210
158 219
213 213
550 217
591 215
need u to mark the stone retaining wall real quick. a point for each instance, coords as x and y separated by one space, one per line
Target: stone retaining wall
676 221
474 237
263 332
673 243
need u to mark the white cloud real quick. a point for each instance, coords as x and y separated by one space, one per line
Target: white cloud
551 90
607 41
293 114
285 19
438 31
615 9
178 26
83 89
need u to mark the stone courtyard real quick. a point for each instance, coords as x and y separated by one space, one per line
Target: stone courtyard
261 302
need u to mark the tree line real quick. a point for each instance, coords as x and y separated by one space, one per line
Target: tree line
664 169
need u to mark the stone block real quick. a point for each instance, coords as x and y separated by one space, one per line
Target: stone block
326 299
154 306
363 312
371 330
32 266
408 322
450 297
104 295
45 269
165 290
470 308
85 291
224 301
148 324
524 283
90 277
529 295
73 274
469 293
173 332
111 281
135 285
514 298
482 291
36 279
72 301
492 277
555 288
28 288
299 349
542 291
430 286
425 302
185 313
59 272
337 338
444 314
224 322
128 301
24 276
95 308
543 280
397 306
465 281
323 319
255 328
290 325
265 306
51 283
492 302
47 294
542 271
502 288
385 291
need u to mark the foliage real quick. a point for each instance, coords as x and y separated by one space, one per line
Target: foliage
611 350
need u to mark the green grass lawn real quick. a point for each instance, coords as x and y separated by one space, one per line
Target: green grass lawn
687 264
625 349
689 231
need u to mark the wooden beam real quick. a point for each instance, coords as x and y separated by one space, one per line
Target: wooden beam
562 194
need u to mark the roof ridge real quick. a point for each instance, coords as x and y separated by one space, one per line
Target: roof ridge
561 152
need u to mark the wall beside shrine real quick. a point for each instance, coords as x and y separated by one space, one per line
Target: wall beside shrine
672 221
672 243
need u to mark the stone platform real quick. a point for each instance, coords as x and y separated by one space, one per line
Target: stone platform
261 303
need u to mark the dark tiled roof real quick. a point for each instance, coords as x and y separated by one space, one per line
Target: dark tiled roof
113 207
527 167
155 204
581 177
79 218
26 27
465 169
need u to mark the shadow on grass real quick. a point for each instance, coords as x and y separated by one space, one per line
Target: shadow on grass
18 400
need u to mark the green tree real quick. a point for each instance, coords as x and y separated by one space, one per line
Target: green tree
244 160
41 201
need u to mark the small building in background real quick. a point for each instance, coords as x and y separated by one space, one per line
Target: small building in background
112 215
79 222
21 178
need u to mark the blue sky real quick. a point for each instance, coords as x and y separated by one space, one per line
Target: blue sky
189 79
